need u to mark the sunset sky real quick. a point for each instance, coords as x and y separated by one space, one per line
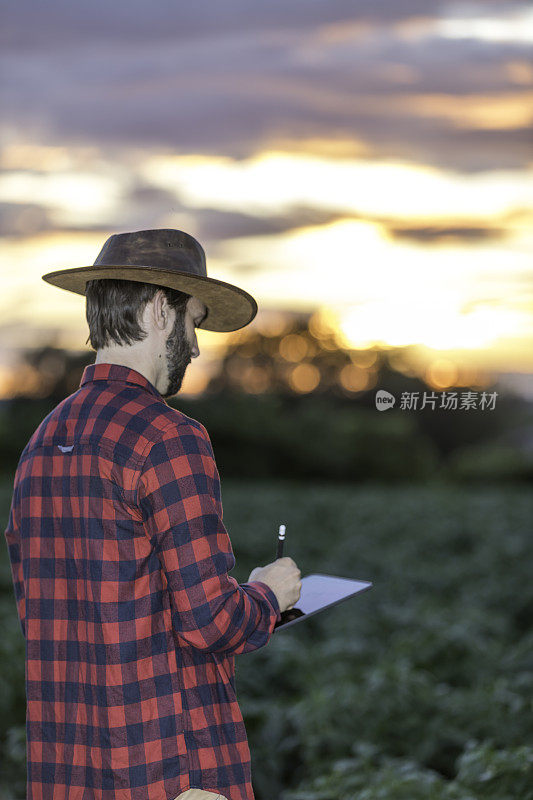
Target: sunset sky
369 163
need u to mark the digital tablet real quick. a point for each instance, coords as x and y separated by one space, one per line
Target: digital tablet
319 592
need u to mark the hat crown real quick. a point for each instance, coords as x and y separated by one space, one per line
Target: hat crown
162 248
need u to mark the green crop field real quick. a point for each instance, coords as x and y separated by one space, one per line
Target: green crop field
421 687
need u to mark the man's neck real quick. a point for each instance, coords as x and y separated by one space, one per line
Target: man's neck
125 359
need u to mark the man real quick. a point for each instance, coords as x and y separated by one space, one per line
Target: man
119 555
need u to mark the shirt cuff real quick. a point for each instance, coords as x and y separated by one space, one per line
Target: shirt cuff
269 595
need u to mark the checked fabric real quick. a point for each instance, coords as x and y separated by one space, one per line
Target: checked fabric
120 563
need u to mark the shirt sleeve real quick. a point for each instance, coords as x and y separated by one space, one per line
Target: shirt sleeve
179 498
12 535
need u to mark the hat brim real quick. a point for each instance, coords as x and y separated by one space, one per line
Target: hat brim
229 308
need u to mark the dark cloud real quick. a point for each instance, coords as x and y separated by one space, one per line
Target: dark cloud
32 23
442 234
23 219
148 207
465 150
242 86
235 78
213 225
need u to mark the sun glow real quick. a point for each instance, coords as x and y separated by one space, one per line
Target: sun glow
375 267
274 182
436 325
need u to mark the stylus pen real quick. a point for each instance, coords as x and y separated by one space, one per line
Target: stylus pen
281 539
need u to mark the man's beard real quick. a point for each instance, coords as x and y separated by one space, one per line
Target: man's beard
178 355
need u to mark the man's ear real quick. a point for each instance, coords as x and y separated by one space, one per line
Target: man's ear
161 308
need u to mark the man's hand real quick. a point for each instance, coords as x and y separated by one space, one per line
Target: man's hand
283 577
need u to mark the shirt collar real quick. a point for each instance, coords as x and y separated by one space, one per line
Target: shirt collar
117 372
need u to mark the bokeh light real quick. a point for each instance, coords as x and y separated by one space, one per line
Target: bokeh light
304 378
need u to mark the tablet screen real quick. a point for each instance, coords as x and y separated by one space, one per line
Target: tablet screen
320 592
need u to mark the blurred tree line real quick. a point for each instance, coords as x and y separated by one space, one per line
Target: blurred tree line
291 403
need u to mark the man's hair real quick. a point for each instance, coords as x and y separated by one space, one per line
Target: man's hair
114 308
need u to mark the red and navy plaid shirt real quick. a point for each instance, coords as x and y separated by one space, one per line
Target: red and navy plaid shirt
120 564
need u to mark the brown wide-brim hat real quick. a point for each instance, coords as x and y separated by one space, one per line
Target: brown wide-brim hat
164 257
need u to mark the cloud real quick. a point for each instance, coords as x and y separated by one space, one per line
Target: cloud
23 219
235 79
30 23
441 234
275 183
213 225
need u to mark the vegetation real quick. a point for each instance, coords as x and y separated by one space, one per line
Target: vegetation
419 689
333 439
